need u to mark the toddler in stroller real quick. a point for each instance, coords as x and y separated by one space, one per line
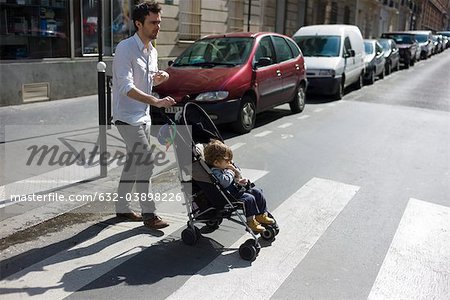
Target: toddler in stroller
220 157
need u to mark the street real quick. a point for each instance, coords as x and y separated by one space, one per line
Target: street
360 189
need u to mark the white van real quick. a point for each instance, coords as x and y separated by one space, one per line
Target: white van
334 57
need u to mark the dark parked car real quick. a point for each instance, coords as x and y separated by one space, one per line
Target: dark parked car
407 45
391 55
237 75
447 34
374 59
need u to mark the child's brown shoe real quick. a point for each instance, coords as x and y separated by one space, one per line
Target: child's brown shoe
264 219
255 226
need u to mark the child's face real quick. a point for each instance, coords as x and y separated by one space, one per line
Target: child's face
222 163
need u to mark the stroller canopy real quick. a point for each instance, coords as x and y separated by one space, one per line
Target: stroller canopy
199 125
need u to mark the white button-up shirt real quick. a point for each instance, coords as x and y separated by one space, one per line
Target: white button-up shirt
133 67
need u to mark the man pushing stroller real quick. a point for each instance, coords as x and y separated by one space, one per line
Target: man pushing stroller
220 157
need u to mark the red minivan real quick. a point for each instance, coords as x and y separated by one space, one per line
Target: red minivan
234 76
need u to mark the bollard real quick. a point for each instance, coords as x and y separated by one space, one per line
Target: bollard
101 71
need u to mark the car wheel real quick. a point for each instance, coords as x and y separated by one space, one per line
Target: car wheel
359 84
412 62
371 79
382 73
298 103
389 69
246 117
340 93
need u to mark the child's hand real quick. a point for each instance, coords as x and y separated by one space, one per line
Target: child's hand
243 181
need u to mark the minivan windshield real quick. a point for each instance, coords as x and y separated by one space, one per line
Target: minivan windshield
324 45
212 52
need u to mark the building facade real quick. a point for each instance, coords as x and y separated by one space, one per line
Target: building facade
49 48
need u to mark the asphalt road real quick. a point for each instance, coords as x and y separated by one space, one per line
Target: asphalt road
359 186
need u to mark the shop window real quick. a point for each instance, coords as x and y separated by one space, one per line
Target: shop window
190 20
34 29
122 24
89 39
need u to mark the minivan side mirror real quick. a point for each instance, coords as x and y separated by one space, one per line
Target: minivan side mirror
263 61
170 63
349 53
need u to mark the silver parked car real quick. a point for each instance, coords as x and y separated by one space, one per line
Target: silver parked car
374 60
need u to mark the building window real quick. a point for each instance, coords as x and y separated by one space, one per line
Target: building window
34 29
347 15
235 15
189 20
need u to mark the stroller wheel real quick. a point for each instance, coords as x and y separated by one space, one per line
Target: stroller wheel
269 234
248 250
190 236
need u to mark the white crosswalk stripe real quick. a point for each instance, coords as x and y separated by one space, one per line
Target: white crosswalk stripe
417 265
312 208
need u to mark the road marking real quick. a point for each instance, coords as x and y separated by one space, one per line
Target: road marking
253 174
331 104
303 117
236 146
61 275
303 218
285 125
318 110
417 265
264 133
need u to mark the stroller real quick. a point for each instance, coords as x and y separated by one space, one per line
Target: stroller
207 201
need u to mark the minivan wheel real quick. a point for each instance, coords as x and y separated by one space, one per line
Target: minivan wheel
298 103
340 93
246 117
359 84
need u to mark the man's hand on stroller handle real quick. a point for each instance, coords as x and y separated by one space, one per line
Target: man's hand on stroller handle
166 102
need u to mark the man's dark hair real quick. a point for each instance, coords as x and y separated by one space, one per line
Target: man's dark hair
144 9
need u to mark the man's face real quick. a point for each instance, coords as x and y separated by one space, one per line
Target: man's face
151 26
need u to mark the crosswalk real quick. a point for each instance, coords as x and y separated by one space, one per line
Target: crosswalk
416 266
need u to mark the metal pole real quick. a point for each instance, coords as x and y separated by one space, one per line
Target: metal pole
101 72
249 14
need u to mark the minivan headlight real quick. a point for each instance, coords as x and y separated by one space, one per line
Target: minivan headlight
327 72
212 96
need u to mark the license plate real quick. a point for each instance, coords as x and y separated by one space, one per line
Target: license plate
173 109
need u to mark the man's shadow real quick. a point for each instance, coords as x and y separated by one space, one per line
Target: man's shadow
169 257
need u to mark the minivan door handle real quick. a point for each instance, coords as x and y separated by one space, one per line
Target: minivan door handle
278 73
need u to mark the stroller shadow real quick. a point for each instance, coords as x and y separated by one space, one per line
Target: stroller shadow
167 258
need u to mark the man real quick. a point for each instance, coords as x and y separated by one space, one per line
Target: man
135 72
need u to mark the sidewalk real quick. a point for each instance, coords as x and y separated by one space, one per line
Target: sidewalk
48 225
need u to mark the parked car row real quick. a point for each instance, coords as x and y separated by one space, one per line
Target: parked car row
234 76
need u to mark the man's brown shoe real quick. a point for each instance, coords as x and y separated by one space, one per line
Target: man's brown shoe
155 223
130 216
